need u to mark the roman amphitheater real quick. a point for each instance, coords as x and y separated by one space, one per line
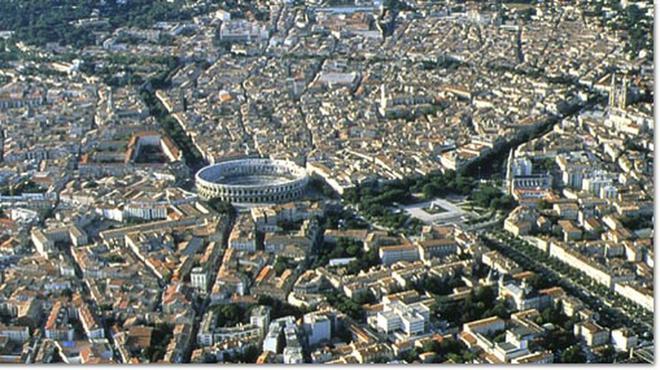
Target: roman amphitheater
252 181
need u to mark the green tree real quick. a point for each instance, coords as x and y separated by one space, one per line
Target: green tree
410 356
353 250
607 355
228 314
573 355
279 308
431 346
364 297
346 305
115 258
222 206
430 190
280 265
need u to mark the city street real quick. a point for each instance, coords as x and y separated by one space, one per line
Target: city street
587 292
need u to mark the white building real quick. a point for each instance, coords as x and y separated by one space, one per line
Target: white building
521 167
318 328
593 334
293 355
410 319
199 279
238 332
260 317
222 15
608 192
17 334
242 31
639 295
412 323
396 253
623 339
596 182
271 341
388 321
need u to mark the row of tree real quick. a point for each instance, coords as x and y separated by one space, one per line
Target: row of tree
169 124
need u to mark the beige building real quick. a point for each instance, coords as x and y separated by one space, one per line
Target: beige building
593 334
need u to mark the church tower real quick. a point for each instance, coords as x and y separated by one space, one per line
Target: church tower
612 92
618 96
623 94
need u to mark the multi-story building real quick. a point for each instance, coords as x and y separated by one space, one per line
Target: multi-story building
90 324
57 325
260 317
318 327
391 254
623 339
199 279
410 319
437 248
593 334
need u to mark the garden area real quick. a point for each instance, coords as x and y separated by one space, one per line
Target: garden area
379 201
347 248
